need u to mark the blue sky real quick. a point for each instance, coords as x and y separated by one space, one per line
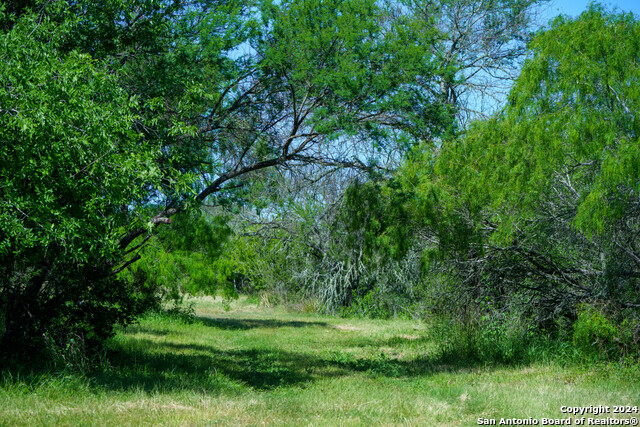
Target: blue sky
575 7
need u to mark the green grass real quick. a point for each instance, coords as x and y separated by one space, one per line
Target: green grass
258 366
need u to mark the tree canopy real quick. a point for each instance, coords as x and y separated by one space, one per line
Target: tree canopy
542 199
336 138
118 115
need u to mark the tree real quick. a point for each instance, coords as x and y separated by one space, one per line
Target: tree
549 187
476 52
481 48
329 87
71 165
139 111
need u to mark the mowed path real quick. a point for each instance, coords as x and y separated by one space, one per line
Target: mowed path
253 365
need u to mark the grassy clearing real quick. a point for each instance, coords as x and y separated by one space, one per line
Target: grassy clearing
257 366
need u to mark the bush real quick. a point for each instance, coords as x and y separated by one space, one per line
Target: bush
490 336
76 308
596 334
73 172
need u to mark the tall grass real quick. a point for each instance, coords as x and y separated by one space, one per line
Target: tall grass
257 366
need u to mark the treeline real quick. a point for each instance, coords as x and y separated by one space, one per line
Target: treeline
118 116
525 223
347 156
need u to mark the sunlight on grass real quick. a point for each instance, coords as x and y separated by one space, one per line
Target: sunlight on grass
257 366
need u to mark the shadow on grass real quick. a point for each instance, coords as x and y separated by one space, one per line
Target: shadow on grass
145 364
171 367
244 324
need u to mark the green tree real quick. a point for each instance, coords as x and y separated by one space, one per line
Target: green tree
548 188
476 51
117 115
328 87
481 47
71 168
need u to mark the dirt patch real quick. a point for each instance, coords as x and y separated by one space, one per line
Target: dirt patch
348 328
409 337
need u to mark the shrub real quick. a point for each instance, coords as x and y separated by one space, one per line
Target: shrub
596 334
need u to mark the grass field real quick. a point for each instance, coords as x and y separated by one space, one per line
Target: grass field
257 366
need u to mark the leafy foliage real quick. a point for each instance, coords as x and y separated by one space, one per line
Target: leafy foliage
71 167
117 115
539 204
185 258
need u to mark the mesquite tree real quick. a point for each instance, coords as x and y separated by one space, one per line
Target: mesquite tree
118 115
543 198
477 52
